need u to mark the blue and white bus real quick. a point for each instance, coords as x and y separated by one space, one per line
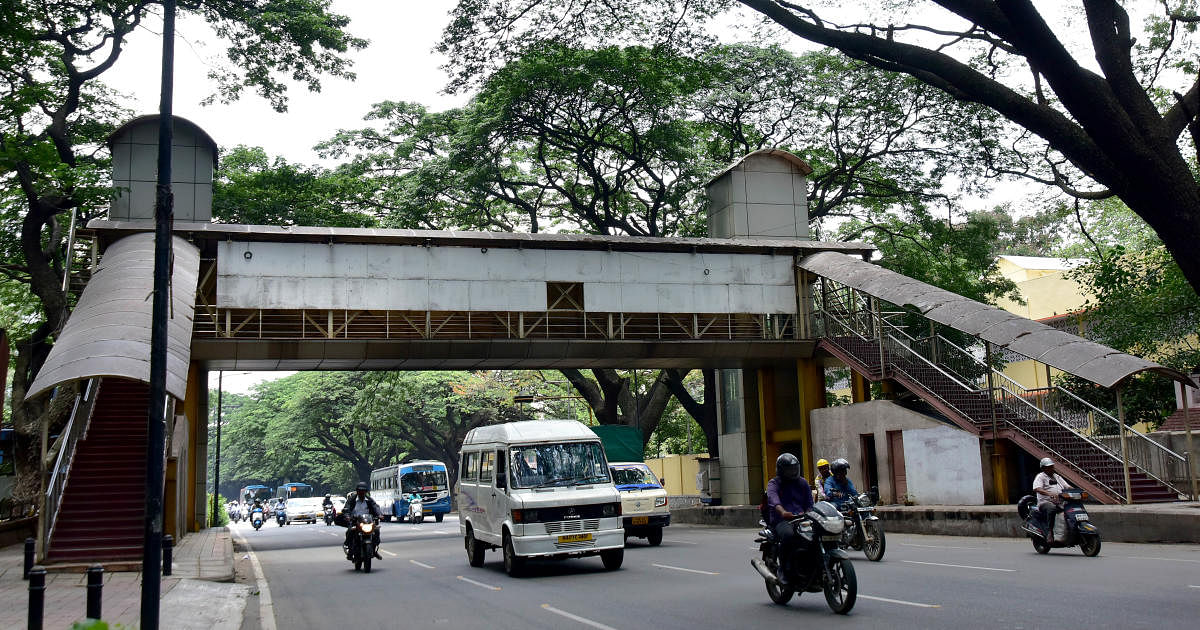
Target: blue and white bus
426 478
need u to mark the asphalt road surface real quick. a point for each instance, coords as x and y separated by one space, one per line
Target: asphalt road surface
701 577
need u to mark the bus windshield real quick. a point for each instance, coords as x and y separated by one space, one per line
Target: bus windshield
295 491
549 465
423 478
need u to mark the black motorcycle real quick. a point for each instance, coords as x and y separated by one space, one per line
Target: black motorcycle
864 530
361 548
1069 525
329 515
817 562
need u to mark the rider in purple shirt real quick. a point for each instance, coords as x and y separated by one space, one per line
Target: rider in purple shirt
788 496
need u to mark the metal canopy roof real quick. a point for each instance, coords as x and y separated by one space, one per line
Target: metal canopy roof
1070 353
541 240
108 333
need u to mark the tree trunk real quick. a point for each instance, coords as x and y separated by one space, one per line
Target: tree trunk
613 401
704 413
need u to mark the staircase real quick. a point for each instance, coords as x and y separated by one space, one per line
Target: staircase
1012 415
101 515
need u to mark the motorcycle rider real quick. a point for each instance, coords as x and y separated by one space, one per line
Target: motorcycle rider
788 496
358 504
328 502
839 488
819 480
1048 486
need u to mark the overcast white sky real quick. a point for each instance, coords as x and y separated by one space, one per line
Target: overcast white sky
398 65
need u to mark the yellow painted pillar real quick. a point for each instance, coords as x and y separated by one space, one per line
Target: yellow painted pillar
1000 472
887 390
197 452
767 422
860 388
810 385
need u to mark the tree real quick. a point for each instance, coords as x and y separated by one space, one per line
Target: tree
1112 128
55 113
250 187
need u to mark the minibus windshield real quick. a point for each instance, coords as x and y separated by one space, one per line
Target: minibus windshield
551 465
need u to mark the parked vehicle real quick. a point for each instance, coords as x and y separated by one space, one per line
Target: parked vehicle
391 487
538 489
864 530
1070 524
817 563
361 548
257 517
416 513
644 511
281 513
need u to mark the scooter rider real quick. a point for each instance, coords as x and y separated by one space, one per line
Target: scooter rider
819 480
788 496
358 504
839 488
328 502
1048 486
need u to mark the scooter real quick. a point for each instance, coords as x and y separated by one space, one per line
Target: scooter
281 515
1069 526
416 510
256 517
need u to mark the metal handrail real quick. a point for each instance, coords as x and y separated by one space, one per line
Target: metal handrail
77 425
1095 409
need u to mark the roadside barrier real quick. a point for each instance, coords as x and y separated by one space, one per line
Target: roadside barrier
168 549
37 596
95 590
30 547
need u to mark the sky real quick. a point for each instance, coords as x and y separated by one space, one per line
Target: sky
397 65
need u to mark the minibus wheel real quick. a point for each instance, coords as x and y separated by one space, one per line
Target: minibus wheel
514 565
474 548
612 558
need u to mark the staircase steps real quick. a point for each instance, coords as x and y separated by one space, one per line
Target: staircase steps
101 517
972 411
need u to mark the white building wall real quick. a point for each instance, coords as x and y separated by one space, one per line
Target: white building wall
410 277
943 466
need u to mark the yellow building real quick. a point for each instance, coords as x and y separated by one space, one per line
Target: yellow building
1050 297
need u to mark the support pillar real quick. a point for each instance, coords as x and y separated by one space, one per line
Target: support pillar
194 477
860 388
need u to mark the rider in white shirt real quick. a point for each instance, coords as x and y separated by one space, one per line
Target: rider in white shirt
1048 485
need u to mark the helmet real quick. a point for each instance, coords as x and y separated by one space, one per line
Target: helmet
839 465
362 485
326 495
822 462
1046 462
787 467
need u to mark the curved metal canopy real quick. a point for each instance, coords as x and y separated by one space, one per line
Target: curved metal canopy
1070 353
108 333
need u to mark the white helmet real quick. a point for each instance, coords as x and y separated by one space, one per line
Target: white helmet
1046 462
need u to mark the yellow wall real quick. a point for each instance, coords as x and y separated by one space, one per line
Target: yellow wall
678 472
1046 296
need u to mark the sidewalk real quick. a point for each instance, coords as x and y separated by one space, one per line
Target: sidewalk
1140 523
199 594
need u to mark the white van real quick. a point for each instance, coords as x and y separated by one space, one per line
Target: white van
538 489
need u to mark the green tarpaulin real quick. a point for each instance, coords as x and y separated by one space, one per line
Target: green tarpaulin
621 443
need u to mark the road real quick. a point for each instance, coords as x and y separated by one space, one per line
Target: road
701 578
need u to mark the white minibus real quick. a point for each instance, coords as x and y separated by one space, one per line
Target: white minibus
538 489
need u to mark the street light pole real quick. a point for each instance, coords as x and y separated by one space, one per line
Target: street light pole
156 414
217 465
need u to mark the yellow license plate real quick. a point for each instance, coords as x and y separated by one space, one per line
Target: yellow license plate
641 520
570 538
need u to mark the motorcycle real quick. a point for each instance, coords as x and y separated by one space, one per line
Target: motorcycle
256 517
817 562
864 530
416 510
329 515
361 548
281 515
1069 525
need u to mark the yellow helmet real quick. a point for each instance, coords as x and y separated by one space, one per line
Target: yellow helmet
822 462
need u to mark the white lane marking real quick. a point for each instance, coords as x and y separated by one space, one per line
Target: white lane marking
959 566
1167 559
480 584
1193 585
899 601
938 546
680 542
266 609
667 566
388 552
422 564
583 620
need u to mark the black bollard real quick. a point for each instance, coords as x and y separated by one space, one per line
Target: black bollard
37 596
168 545
95 589
30 548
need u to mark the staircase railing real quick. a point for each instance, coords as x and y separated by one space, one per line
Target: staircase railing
76 429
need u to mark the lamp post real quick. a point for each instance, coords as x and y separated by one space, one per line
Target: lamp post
217 463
